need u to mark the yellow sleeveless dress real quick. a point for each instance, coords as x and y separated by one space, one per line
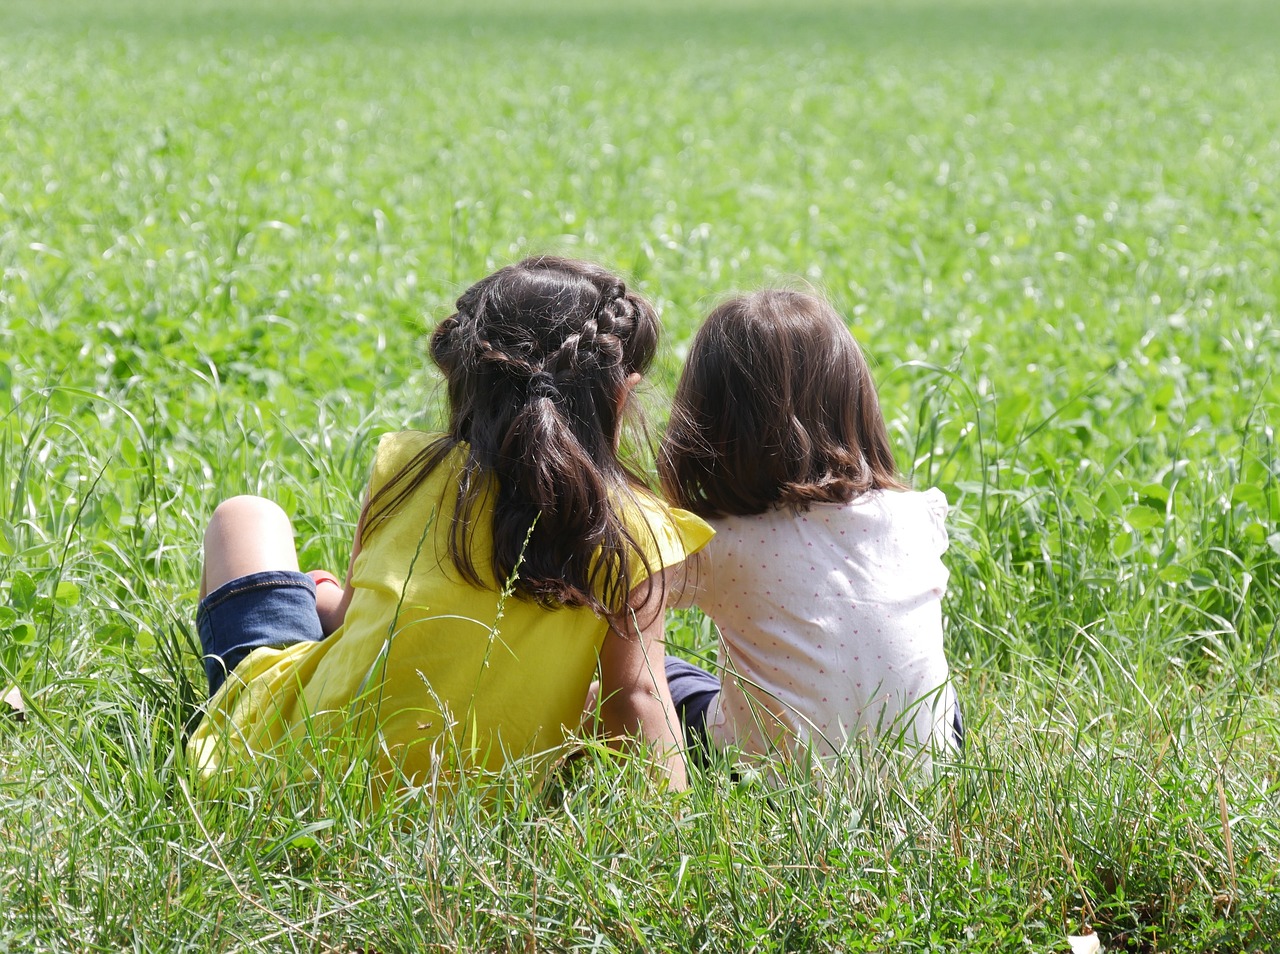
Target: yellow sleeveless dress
428 674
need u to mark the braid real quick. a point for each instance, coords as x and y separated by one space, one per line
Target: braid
464 333
486 352
619 314
537 359
600 343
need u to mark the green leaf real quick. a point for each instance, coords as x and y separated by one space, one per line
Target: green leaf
1254 533
1154 495
1122 544
1012 415
1143 517
1200 580
287 499
22 591
1084 506
1111 497
128 451
67 594
1251 495
115 634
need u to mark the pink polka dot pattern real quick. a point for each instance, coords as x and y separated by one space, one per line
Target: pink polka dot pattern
839 645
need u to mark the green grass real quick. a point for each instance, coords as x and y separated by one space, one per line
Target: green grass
224 231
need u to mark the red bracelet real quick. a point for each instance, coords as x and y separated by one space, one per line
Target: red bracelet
323 576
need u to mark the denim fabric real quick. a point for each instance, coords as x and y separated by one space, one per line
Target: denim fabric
274 608
692 690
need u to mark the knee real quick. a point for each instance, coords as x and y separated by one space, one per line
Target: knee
246 535
247 510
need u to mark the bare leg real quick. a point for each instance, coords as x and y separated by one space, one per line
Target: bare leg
246 535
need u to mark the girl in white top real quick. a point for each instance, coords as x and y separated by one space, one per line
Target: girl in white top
825 576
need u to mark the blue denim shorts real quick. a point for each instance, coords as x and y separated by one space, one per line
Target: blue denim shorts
274 608
692 690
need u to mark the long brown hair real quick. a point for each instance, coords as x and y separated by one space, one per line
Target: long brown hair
537 360
775 407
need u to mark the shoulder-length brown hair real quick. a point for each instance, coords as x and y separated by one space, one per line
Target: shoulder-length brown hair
775 408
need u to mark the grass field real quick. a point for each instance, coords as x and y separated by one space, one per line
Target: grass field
224 231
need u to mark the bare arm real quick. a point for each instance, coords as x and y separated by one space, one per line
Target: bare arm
636 702
332 601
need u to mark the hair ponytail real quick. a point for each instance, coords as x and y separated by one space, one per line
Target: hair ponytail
537 360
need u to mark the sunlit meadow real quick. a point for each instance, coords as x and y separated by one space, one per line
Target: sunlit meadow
225 229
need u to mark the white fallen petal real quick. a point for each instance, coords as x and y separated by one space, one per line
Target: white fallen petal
1084 944
13 699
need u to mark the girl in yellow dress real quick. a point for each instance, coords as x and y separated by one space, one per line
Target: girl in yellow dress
496 567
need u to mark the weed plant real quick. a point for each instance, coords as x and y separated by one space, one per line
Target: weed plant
224 230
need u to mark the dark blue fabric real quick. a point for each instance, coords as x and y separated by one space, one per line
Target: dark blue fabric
275 608
692 690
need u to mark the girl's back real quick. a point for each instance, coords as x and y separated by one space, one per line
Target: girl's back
824 578
831 622
495 565
428 672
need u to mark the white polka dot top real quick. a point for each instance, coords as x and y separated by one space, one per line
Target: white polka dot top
831 623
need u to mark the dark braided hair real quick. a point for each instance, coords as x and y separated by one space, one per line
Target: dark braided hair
536 360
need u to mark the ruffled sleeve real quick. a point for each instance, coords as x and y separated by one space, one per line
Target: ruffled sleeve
395 451
936 501
666 535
